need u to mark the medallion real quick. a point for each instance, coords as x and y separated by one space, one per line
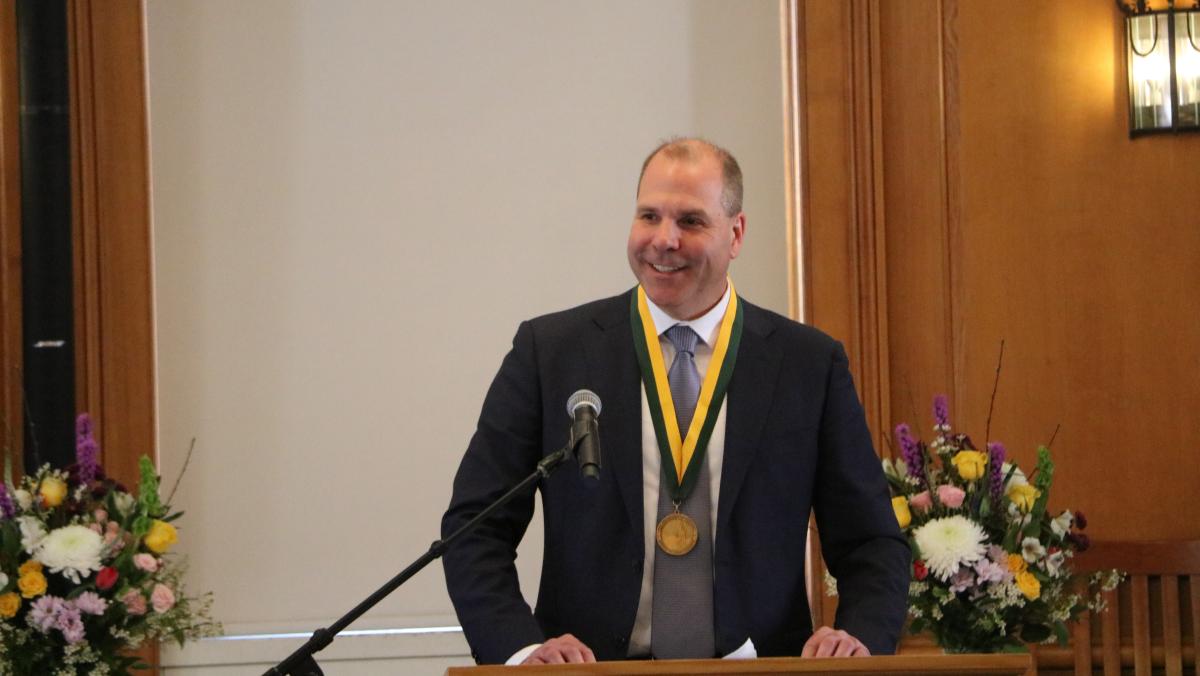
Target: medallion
676 534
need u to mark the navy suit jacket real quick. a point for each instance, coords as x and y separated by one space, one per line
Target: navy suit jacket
795 440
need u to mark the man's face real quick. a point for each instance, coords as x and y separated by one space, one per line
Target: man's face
681 241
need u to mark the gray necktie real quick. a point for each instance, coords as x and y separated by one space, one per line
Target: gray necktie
681 624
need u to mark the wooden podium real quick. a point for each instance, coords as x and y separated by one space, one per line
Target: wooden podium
888 665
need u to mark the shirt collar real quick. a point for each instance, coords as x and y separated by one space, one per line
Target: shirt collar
705 325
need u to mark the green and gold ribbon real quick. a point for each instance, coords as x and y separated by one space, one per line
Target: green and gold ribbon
684 452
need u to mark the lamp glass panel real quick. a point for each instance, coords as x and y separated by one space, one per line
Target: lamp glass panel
1149 71
1187 67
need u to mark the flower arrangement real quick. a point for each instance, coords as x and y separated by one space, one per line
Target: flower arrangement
991 567
85 573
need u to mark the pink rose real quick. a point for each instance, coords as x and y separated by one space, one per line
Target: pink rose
921 501
100 515
135 603
951 496
162 598
145 562
96 528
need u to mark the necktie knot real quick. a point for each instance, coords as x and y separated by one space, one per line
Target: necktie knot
683 338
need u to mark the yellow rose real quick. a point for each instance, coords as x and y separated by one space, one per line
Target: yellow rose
10 603
1016 563
1023 496
32 584
53 491
1029 585
30 566
900 506
161 536
969 464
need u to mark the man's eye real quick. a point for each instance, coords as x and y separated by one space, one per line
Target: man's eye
690 222
651 217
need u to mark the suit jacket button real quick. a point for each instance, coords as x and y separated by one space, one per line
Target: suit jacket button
637 564
621 640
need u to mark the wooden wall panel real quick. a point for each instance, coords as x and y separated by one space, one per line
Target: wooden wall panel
114 308
1079 247
1014 207
114 321
11 357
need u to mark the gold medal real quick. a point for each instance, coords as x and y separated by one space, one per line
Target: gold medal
676 534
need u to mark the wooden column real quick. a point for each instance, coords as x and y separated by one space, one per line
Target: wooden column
114 320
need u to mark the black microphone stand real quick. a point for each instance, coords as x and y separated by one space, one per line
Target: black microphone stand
301 662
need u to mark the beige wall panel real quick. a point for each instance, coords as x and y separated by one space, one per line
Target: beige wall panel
354 206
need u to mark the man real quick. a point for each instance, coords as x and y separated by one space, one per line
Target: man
692 542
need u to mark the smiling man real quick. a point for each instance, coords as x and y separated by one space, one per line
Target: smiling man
725 426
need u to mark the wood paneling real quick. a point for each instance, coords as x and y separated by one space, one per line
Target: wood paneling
1010 204
112 237
11 400
113 262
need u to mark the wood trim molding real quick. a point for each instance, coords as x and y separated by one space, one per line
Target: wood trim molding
114 300
952 187
791 21
11 357
833 153
114 322
868 248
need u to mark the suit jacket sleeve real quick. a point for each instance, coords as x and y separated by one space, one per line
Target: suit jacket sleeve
860 539
480 572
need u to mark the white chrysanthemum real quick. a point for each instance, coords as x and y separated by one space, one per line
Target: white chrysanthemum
950 542
72 551
32 533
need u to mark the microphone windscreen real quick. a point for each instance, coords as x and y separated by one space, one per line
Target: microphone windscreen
583 398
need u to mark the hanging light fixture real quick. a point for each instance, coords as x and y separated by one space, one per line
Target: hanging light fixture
1163 55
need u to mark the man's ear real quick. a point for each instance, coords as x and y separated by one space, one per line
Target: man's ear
739 232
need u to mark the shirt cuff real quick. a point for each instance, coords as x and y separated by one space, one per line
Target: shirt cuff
519 656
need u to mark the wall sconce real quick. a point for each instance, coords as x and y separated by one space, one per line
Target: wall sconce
1163 56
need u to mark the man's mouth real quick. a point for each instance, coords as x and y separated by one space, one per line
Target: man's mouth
666 268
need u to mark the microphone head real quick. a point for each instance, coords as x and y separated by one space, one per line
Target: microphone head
583 398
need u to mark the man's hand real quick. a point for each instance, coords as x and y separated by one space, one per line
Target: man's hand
830 642
565 649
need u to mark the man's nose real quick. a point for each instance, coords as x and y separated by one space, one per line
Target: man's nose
666 237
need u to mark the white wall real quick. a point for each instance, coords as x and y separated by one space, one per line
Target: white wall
355 203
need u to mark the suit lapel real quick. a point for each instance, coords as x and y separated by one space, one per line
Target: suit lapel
751 391
612 366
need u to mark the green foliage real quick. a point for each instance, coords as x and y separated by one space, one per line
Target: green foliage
148 499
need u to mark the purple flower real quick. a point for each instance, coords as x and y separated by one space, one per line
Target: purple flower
1080 520
996 454
90 602
989 570
961 581
86 449
1081 541
941 412
44 613
7 509
70 623
911 452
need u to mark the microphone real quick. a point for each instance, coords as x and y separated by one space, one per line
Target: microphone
584 409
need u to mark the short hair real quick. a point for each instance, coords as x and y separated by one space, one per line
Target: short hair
690 149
